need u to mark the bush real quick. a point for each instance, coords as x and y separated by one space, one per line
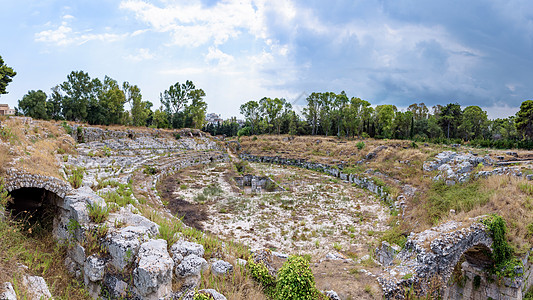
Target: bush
244 131
259 273
295 280
76 177
360 145
97 213
177 136
150 170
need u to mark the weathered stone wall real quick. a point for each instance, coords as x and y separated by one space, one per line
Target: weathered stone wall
17 179
336 171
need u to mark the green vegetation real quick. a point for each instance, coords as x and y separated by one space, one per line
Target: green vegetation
505 263
360 145
122 196
296 281
460 197
76 177
6 76
97 213
259 273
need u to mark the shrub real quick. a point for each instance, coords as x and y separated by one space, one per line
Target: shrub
504 262
244 131
150 170
177 136
295 280
259 273
67 127
97 213
76 177
360 145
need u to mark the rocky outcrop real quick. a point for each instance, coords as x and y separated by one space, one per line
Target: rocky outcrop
431 255
456 167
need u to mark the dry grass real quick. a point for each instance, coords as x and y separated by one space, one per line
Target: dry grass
35 144
43 257
237 286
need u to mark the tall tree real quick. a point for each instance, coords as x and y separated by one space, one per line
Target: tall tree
79 91
250 110
272 111
450 117
312 111
53 105
384 118
474 123
524 119
195 112
6 76
33 104
339 107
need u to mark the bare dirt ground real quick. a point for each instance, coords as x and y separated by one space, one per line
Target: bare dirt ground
316 215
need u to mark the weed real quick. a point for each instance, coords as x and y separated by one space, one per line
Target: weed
76 177
97 213
360 145
150 170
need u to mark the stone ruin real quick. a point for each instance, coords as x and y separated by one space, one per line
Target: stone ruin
426 263
257 184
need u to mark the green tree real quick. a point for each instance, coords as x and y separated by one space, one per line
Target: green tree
6 76
402 124
271 109
474 123
450 117
251 111
384 119
53 105
325 114
80 91
339 109
161 119
524 119
33 104
195 112
312 111
139 114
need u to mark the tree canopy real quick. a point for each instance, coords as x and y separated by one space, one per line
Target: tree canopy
6 76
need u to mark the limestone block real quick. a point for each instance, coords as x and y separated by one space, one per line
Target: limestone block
191 266
124 244
37 287
9 292
153 275
386 253
77 253
213 293
332 295
94 268
185 248
221 268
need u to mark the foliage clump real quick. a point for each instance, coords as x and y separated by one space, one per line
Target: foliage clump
260 273
296 281
505 264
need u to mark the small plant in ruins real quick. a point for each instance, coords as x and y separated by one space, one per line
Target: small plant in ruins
76 177
97 213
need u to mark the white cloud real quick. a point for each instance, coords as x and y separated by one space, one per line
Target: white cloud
64 35
142 54
191 24
214 54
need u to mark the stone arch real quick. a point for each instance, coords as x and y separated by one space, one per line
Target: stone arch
35 196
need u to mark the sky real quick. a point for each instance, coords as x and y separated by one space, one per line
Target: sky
386 52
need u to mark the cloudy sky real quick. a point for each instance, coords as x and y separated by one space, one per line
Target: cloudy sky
387 52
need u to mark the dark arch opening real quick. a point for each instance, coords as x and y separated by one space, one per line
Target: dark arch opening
479 256
35 208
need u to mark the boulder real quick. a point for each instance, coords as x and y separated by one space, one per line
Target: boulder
153 275
386 253
332 295
94 268
464 167
185 248
221 268
124 244
37 287
9 292
212 293
191 266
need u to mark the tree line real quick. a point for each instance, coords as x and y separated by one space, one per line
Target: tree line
332 114
106 102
